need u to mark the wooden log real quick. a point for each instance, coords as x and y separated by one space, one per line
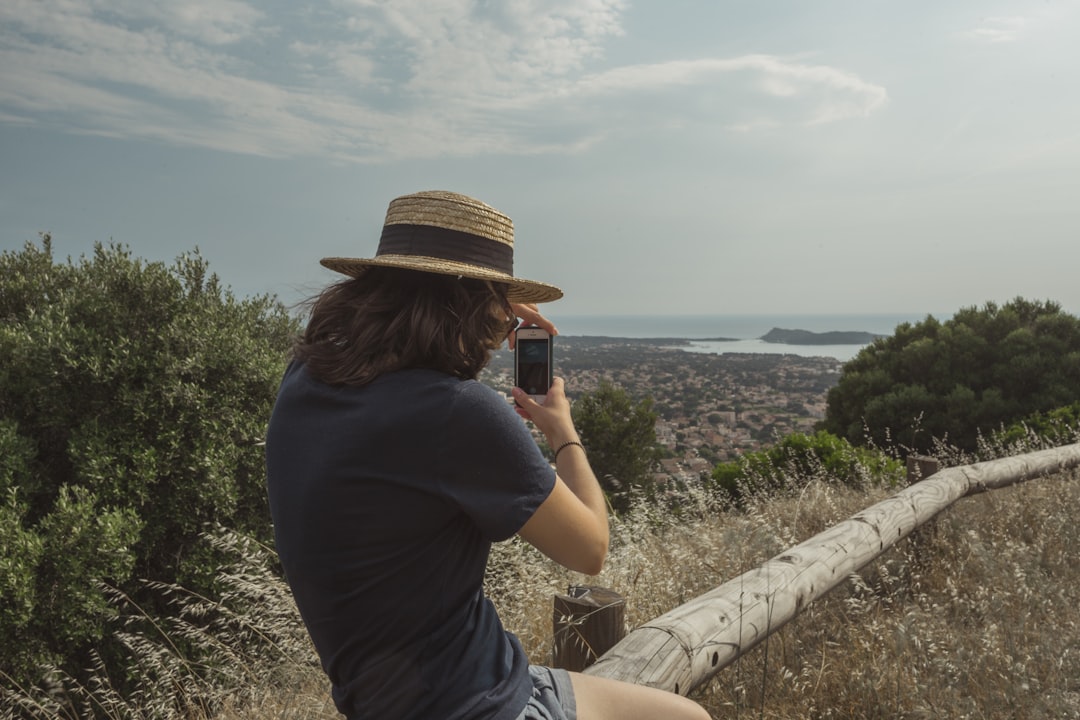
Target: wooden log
684 648
586 622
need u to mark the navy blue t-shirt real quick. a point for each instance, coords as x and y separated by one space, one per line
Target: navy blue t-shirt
385 501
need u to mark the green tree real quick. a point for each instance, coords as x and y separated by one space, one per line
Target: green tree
620 437
133 400
954 380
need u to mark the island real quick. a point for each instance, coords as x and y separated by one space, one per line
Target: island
805 337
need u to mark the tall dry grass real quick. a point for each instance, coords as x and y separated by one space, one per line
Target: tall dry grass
251 647
976 615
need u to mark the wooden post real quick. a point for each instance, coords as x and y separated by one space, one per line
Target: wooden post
920 467
587 622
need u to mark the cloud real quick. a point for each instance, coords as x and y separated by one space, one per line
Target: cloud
998 29
371 81
814 93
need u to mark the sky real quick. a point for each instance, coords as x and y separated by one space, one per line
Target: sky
657 157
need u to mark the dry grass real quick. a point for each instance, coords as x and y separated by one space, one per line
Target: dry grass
977 615
253 653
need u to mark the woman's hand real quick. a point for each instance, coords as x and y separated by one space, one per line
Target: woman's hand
529 315
552 417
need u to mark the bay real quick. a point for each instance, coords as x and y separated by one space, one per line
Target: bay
743 330
842 353
741 327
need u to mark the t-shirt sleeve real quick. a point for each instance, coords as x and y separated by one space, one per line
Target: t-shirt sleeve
494 470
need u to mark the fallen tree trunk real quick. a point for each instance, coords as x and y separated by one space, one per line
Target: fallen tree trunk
684 648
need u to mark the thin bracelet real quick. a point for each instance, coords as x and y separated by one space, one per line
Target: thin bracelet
565 445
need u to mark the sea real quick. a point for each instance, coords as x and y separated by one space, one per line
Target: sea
701 330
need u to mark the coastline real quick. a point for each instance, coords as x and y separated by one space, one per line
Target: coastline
751 346
716 327
739 334
756 346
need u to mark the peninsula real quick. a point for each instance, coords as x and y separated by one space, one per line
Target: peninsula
805 337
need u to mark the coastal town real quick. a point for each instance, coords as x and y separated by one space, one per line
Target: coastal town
710 407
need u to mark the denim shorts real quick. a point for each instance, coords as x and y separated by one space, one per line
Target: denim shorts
552 697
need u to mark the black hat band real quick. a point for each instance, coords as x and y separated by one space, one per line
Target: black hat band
444 244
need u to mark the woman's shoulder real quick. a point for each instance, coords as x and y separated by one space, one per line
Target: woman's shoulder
473 400
449 390
416 386
480 392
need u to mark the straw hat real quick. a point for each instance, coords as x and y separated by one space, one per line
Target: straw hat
450 234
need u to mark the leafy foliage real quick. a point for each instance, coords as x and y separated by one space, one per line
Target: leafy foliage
954 380
799 458
620 437
133 398
1060 426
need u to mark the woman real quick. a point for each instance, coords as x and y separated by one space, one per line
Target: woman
391 470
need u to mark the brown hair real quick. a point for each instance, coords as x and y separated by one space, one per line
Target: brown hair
388 319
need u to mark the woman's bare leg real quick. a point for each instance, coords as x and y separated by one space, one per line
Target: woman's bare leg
604 699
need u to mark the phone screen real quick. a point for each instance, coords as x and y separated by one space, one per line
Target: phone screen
534 365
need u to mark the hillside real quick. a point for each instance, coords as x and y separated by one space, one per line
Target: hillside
974 615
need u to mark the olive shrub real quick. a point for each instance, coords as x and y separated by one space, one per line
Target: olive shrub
133 402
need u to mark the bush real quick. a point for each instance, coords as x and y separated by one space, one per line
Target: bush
1057 427
133 401
202 658
799 458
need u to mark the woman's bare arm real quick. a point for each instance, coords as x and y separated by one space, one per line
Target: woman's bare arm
571 526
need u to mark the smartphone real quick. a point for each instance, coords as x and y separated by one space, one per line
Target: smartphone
532 362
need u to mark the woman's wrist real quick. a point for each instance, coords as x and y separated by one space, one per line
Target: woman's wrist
555 439
568 446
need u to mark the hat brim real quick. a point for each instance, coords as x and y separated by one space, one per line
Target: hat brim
518 289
